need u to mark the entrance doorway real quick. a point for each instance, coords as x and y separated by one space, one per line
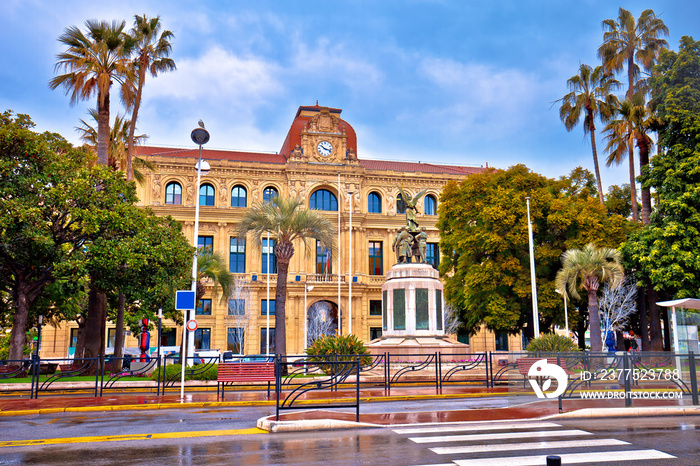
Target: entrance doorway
322 320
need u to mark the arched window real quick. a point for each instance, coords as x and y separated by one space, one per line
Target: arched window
374 203
323 200
206 195
430 205
269 194
238 196
173 193
400 206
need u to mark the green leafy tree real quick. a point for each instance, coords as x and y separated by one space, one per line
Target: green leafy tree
586 269
627 43
617 200
287 221
590 96
152 52
665 251
484 240
138 265
51 210
92 61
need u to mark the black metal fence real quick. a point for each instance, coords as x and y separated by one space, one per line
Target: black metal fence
628 375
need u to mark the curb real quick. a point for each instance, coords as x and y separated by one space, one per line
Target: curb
308 425
592 413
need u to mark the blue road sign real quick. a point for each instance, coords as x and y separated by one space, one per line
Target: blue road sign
184 300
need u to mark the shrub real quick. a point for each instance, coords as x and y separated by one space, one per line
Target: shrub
347 346
552 343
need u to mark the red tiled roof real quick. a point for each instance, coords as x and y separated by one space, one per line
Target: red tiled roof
234 156
415 167
294 133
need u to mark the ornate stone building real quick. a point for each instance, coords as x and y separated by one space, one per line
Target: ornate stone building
319 163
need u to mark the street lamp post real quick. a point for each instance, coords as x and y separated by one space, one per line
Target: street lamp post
535 312
200 136
566 312
307 288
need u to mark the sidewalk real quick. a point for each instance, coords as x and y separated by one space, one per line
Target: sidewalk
450 404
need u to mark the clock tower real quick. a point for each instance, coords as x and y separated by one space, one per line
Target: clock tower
319 135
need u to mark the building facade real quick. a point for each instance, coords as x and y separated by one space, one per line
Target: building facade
319 163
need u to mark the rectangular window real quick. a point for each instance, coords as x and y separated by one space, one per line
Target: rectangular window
111 337
263 341
237 256
202 338
263 307
375 332
384 311
323 259
400 309
73 337
235 342
236 307
501 341
438 308
205 243
268 254
422 319
375 307
375 258
432 254
203 307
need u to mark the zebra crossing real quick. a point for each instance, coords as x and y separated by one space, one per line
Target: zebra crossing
515 444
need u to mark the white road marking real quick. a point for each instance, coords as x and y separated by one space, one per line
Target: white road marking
500 436
570 458
477 427
527 446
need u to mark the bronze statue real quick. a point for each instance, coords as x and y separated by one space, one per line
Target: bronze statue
403 246
410 203
422 240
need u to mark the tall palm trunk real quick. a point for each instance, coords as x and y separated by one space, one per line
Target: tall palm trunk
103 128
595 161
134 118
646 192
633 186
591 286
284 251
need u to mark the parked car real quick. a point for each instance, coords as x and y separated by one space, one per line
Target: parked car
251 358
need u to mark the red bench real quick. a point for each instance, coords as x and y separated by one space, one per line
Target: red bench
524 365
246 372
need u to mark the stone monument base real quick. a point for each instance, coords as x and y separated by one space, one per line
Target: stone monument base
406 345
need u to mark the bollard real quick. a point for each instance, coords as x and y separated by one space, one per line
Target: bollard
553 461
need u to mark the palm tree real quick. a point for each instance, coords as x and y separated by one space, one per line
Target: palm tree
632 127
118 137
587 268
287 221
590 95
91 63
211 266
152 56
626 43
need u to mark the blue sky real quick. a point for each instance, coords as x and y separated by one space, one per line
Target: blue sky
461 81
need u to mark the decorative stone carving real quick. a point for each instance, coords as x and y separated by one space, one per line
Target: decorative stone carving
156 189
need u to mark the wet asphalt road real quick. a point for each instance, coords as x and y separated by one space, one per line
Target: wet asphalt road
678 436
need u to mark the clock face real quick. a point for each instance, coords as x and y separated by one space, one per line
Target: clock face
324 148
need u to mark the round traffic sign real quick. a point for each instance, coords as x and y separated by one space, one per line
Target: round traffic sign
192 325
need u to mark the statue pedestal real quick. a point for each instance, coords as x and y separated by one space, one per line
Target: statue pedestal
412 313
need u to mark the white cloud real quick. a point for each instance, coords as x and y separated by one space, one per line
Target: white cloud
483 99
219 75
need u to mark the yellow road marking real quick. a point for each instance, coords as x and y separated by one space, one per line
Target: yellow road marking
122 438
